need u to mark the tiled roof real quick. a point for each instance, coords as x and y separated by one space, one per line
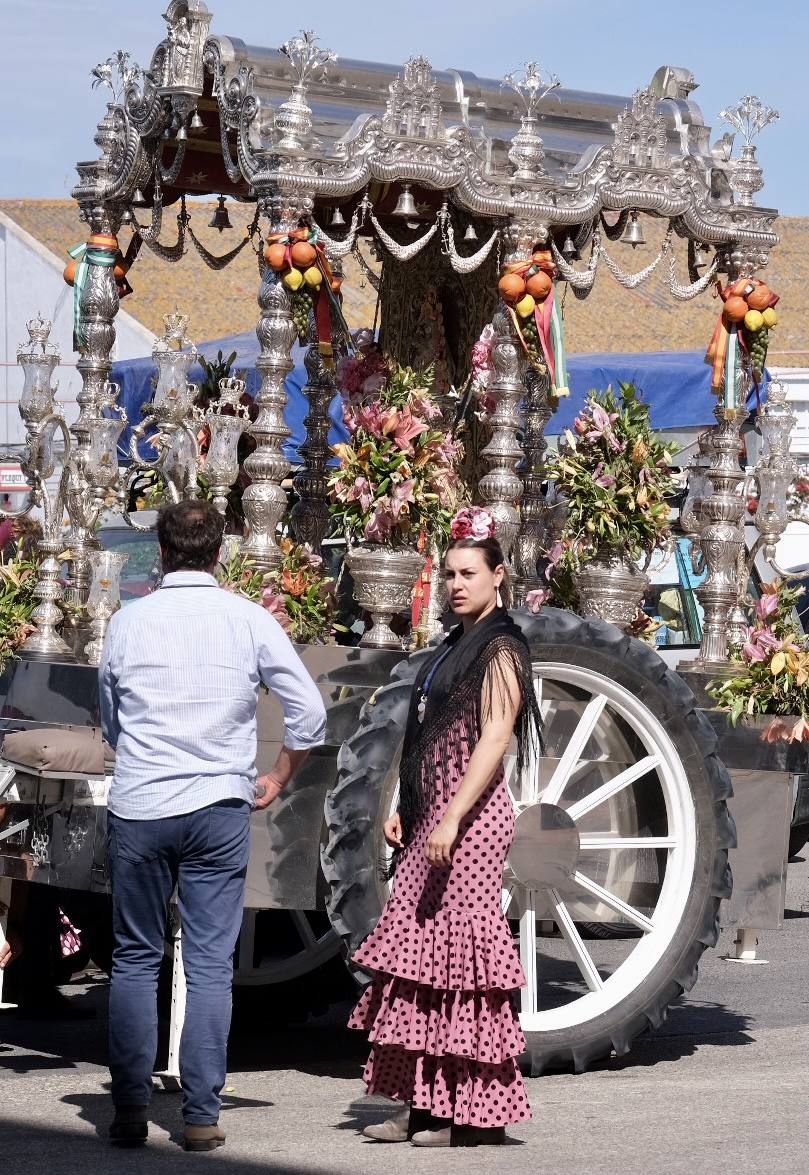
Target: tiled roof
611 319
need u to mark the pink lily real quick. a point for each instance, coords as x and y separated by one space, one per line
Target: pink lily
766 605
537 598
401 495
407 429
360 492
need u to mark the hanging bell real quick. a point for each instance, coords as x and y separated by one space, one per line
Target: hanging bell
569 250
138 200
337 219
196 123
405 205
182 133
126 216
633 233
701 257
470 234
220 219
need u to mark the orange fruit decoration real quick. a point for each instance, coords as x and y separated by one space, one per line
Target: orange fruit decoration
735 308
539 285
303 254
69 272
511 287
760 297
275 256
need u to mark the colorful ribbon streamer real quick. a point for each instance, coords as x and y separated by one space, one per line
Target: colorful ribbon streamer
86 255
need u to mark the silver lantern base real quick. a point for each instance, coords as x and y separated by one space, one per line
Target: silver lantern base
611 588
384 579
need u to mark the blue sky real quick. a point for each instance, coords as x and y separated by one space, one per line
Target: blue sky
48 111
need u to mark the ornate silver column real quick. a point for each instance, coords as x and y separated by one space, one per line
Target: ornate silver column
98 307
310 514
531 535
264 500
501 487
722 538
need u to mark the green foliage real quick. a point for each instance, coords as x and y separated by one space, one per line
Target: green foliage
18 577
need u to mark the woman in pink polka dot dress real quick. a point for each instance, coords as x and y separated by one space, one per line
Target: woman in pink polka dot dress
439 1011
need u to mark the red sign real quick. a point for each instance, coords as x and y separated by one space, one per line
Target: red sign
12 480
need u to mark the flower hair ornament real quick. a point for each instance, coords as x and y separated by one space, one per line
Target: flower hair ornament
473 522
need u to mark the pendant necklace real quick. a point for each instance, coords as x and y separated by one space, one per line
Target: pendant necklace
425 689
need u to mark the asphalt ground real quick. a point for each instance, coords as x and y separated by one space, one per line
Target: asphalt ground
720 1086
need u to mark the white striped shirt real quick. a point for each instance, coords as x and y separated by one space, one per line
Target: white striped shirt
178 683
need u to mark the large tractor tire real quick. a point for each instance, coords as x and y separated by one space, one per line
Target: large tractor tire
622 823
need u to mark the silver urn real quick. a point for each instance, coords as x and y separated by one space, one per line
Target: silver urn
384 579
611 587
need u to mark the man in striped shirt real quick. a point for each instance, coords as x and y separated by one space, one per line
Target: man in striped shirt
178 680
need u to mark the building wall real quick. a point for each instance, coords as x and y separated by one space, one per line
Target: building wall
31 282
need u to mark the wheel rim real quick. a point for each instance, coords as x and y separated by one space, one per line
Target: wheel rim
601 726
276 946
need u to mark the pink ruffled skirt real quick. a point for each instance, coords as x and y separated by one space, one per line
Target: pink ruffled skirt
439 1011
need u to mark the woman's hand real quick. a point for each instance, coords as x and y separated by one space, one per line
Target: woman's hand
392 830
438 849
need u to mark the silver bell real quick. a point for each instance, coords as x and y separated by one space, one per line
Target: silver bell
405 205
633 233
220 219
470 234
182 133
569 250
196 123
337 219
701 258
138 200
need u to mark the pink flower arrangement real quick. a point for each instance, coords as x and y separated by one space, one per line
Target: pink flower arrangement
398 478
362 375
473 522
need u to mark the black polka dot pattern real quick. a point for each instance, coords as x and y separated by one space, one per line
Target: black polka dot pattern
439 1011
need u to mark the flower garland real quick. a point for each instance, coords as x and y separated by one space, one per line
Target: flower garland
397 480
772 675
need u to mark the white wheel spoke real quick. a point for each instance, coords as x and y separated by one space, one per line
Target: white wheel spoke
612 786
628 912
573 751
528 954
303 927
574 941
595 842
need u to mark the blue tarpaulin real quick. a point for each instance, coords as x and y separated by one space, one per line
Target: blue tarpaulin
676 384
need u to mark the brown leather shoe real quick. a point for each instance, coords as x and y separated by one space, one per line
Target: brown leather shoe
130 1126
203 1138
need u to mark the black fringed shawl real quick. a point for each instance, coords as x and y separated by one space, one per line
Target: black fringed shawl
469 670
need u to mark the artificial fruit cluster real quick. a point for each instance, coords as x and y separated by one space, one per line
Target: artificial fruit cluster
301 263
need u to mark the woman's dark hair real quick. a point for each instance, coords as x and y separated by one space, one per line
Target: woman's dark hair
190 535
493 556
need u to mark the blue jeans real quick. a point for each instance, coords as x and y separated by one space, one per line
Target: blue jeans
204 854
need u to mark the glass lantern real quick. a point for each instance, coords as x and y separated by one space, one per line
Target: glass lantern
222 463
772 514
38 359
104 598
173 394
103 455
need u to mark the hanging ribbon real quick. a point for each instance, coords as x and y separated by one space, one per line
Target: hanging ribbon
101 250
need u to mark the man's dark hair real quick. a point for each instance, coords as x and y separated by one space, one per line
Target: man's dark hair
190 535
